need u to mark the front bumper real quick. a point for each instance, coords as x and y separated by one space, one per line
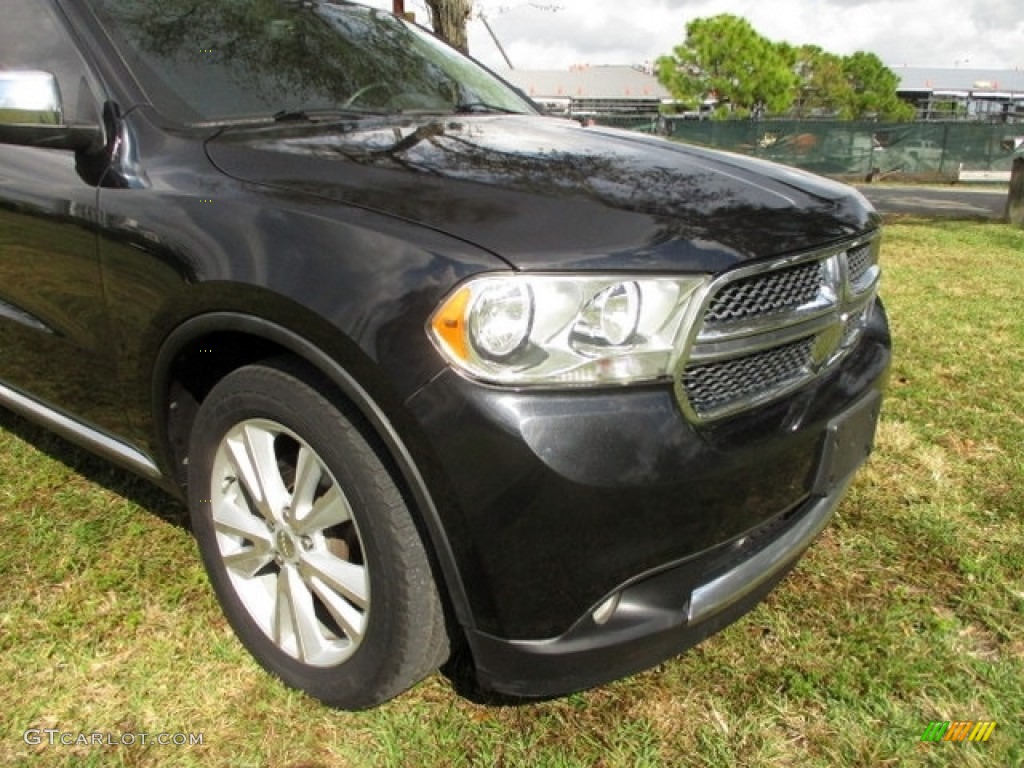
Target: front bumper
599 533
659 615
656 617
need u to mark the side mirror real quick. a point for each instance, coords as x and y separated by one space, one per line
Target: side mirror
32 115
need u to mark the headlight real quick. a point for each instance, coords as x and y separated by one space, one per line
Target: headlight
499 320
537 330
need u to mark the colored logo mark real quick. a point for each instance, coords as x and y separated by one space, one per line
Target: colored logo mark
959 730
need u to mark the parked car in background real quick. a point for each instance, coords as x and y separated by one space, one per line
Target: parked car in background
437 376
914 155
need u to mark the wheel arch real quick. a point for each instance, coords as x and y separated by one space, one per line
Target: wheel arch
254 339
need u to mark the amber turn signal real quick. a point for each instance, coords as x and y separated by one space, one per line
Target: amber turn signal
449 323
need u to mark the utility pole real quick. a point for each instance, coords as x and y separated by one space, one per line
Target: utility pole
497 42
1015 199
490 30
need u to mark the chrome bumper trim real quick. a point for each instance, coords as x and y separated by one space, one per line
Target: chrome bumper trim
734 585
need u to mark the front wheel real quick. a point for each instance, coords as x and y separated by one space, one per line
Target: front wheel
310 547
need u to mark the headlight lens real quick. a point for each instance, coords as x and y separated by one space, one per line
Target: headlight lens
550 330
611 317
499 320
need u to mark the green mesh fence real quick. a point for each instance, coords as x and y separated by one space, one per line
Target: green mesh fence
642 123
848 149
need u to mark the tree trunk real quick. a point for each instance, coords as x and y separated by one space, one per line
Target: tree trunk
449 19
1015 200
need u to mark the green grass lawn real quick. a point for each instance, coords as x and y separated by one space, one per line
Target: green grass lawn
909 609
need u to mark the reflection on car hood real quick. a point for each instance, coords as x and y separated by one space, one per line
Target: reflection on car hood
544 193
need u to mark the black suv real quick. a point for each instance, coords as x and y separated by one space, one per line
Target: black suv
438 376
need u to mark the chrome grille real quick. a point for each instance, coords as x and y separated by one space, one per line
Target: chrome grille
765 294
859 261
713 385
854 325
768 329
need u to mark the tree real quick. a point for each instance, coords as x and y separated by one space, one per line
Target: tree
873 89
823 86
449 19
725 58
854 87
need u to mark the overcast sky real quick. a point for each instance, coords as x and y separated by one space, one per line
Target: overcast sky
974 34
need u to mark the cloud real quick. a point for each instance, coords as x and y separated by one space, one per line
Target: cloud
940 33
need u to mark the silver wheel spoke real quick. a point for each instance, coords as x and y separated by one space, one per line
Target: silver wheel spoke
307 477
249 561
330 509
347 579
349 618
281 618
295 617
251 451
230 520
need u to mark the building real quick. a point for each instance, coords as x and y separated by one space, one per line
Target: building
937 94
598 90
963 94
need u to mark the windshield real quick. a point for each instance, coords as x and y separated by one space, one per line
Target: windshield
223 60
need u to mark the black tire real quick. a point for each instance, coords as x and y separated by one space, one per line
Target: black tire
327 581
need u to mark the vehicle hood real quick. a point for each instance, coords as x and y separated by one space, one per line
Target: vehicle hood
544 193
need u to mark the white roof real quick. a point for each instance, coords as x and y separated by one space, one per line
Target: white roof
977 81
634 84
596 82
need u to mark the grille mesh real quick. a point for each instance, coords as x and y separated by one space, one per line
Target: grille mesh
764 334
853 326
766 294
858 261
712 385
